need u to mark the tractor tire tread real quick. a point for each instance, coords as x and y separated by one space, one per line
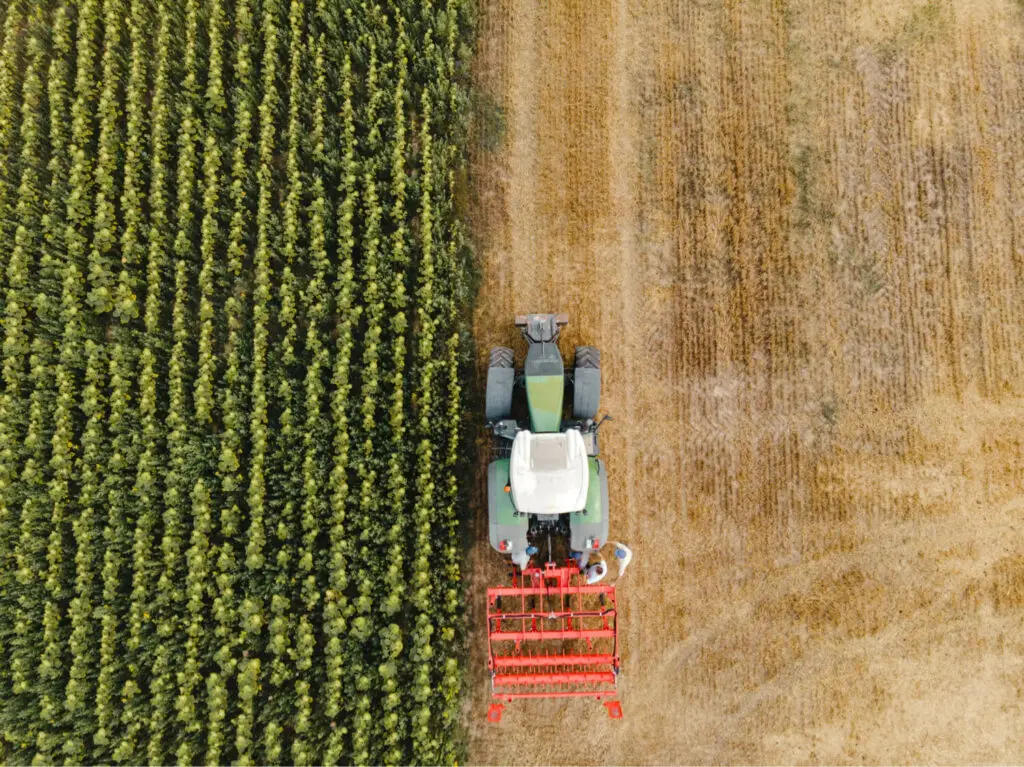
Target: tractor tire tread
501 357
588 357
500 383
587 383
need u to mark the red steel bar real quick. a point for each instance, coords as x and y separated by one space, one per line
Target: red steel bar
547 614
542 634
576 677
560 694
552 660
531 591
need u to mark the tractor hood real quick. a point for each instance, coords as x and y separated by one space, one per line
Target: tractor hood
549 473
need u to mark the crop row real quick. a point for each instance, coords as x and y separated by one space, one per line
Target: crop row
232 287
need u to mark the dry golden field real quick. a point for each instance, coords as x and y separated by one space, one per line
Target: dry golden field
796 229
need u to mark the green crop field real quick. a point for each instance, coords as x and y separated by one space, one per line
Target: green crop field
233 288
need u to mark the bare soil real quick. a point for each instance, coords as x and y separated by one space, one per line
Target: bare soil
796 230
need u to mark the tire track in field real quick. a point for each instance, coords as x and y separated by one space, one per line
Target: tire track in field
565 185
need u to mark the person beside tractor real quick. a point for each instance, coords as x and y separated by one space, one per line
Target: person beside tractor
594 573
522 559
582 558
623 556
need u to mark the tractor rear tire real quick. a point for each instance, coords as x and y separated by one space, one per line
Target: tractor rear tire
501 378
586 395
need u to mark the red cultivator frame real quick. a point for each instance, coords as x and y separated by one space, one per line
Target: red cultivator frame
550 635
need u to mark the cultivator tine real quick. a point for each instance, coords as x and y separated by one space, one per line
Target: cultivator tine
567 648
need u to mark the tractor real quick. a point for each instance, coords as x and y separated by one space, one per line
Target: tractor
551 634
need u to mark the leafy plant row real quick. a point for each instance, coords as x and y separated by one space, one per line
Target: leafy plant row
232 290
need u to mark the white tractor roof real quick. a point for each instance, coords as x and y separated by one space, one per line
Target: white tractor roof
549 472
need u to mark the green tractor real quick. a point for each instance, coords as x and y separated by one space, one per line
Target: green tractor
545 480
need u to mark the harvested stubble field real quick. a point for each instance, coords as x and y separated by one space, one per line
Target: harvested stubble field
796 229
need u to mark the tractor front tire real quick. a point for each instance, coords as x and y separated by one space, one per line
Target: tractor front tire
501 378
586 394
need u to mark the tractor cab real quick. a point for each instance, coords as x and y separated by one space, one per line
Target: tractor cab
548 473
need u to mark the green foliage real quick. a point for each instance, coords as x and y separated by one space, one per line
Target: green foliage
226 638
337 610
232 304
100 273
149 469
215 106
10 96
23 415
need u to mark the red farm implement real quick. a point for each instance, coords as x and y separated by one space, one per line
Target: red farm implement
550 635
